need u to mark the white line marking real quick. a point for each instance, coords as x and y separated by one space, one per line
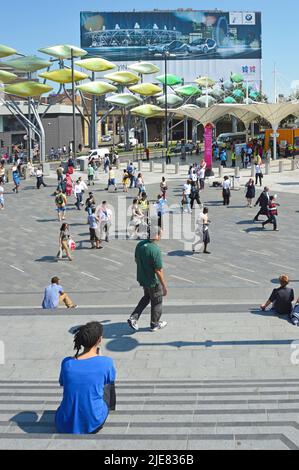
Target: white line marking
241 267
112 261
26 229
281 266
90 275
260 252
244 279
192 258
182 279
18 269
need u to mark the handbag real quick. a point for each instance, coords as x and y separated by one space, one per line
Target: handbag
72 244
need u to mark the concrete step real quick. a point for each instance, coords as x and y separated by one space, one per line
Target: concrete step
224 414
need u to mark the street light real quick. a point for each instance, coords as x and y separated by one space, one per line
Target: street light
166 55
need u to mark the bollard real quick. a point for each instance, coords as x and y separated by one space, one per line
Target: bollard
46 169
267 168
26 173
252 170
237 172
280 167
151 166
139 165
293 165
220 169
163 167
177 168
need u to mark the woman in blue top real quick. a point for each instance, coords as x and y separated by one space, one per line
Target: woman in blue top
88 385
16 178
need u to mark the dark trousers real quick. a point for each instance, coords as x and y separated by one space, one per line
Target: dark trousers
226 197
233 163
201 184
79 197
132 181
271 220
154 296
259 177
39 182
192 199
159 219
262 211
110 400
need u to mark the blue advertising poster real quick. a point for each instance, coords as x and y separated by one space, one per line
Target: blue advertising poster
183 34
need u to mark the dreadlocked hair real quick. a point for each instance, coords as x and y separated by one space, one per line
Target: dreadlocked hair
87 336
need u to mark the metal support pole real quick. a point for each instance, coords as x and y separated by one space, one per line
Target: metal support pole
185 129
274 142
166 105
94 130
73 103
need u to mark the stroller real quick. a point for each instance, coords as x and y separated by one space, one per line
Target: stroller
295 315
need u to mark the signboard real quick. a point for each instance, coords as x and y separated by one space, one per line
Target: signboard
213 43
208 139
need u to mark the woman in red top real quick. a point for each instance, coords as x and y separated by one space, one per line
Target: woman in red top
272 213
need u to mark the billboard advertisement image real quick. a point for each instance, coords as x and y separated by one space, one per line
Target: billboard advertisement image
213 43
186 35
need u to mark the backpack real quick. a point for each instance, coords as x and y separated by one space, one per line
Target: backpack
59 199
295 315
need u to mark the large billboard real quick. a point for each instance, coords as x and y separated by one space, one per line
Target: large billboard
196 40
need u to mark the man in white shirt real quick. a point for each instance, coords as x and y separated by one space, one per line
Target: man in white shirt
105 216
39 178
1 196
186 196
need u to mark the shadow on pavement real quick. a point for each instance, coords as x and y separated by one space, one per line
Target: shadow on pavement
46 259
29 423
180 253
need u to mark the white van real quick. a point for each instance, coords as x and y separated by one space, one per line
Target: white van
97 154
231 137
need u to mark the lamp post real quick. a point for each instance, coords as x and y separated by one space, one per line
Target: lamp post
73 103
166 55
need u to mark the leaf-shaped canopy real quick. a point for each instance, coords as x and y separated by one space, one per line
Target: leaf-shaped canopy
172 100
6 51
63 76
97 88
27 64
202 101
63 51
170 79
7 77
188 90
123 100
237 78
147 110
123 78
204 81
146 89
26 89
95 64
229 100
238 93
144 68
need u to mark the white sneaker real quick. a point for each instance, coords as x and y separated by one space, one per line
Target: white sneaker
160 325
133 324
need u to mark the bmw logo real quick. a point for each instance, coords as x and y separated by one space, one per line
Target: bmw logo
248 17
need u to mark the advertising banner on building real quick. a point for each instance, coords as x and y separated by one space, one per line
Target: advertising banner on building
185 34
197 43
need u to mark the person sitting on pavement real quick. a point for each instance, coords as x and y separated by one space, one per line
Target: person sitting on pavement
88 381
281 298
54 294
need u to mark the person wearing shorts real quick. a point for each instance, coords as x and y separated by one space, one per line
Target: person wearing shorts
93 225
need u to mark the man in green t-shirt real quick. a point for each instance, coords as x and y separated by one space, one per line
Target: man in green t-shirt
90 174
150 276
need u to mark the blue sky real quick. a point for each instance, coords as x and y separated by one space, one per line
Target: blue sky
30 24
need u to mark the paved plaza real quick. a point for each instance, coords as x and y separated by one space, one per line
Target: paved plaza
221 375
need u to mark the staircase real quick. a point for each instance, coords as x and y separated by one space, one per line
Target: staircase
166 414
